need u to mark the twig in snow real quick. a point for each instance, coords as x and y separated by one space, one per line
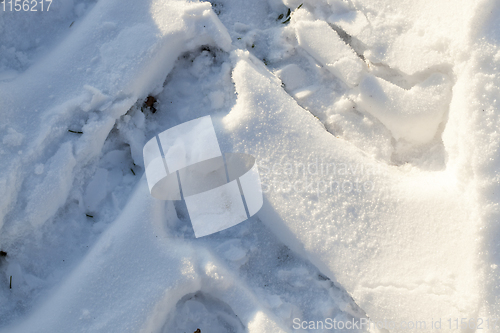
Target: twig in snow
289 14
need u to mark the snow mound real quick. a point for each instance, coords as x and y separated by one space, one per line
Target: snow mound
399 243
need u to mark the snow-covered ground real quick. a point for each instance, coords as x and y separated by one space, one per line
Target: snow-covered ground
375 124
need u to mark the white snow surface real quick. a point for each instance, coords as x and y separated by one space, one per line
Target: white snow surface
375 126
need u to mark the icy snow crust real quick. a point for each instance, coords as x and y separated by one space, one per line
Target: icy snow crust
374 125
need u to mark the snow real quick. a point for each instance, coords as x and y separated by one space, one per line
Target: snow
374 125
95 191
317 38
413 114
292 76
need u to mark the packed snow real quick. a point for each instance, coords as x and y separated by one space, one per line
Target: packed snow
375 128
